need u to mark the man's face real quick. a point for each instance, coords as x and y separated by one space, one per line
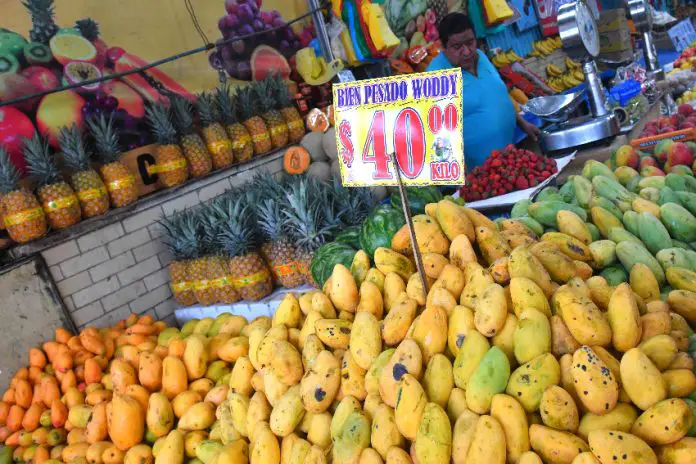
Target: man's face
461 49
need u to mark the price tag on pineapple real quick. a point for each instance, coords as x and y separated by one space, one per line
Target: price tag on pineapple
414 120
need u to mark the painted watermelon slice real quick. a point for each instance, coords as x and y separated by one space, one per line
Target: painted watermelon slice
267 61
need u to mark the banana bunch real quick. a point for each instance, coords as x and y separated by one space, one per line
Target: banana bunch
503 59
545 47
565 81
570 64
553 71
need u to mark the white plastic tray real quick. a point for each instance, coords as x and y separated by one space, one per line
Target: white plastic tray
509 199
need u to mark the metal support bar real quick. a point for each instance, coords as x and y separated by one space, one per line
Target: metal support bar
320 29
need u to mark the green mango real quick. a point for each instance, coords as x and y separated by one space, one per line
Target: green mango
490 378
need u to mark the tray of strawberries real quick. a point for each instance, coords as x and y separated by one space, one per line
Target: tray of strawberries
508 176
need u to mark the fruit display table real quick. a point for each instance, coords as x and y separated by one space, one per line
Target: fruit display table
249 309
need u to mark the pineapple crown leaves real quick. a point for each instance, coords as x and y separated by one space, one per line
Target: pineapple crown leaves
181 234
76 154
159 119
236 235
40 161
105 138
207 108
355 203
226 104
88 27
307 226
182 112
271 220
9 174
266 185
263 93
247 103
282 95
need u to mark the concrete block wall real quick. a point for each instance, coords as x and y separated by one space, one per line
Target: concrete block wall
120 268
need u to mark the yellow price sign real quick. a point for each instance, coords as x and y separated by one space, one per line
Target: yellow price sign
415 117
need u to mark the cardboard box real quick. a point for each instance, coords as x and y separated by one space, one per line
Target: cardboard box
615 41
612 20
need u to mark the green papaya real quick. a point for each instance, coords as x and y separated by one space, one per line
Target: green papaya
657 182
533 224
624 174
618 235
680 223
583 191
680 244
611 189
6 454
673 257
604 220
682 170
606 204
676 182
614 275
490 378
603 253
545 211
594 231
633 184
630 221
650 193
546 192
667 195
687 200
520 209
630 253
690 183
594 168
567 192
652 233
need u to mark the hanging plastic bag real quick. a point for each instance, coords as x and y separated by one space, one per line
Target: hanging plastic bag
496 11
400 12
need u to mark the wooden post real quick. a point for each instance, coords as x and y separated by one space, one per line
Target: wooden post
409 222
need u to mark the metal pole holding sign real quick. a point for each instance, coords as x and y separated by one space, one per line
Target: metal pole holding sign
406 208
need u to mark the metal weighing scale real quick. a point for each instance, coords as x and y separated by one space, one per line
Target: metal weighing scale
580 37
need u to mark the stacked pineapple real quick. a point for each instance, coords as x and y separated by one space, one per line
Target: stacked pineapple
119 180
250 111
57 197
242 145
181 240
194 148
278 249
22 214
171 165
312 220
89 187
266 95
214 134
238 238
295 123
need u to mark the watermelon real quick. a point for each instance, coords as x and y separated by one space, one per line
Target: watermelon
326 257
266 61
417 197
379 228
350 236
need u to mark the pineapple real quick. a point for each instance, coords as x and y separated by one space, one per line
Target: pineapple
296 126
171 163
89 187
89 28
236 237
277 127
241 140
249 109
119 180
43 24
181 241
194 148
214 134
216 269
278 251
23 216
311 223
57 197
